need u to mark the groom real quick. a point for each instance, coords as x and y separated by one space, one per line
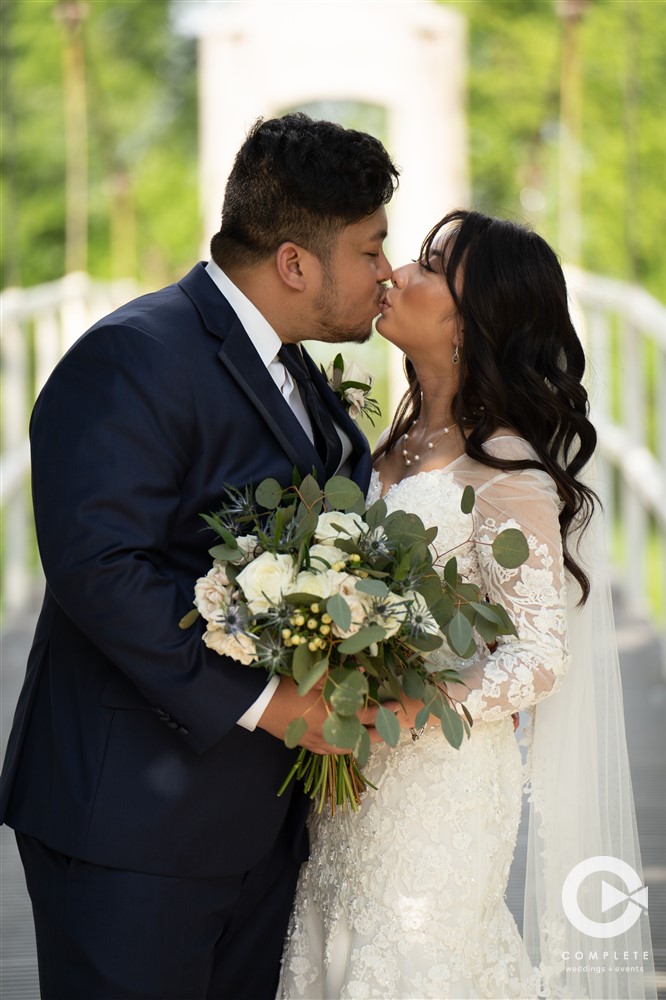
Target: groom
142 768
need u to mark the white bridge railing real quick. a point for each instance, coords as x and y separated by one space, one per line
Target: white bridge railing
39 325
625 333
624 329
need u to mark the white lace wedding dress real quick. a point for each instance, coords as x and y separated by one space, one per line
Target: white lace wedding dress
405 899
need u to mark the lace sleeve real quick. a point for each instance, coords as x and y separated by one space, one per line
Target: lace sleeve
524 669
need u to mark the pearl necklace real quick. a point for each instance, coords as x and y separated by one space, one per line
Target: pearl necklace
431 444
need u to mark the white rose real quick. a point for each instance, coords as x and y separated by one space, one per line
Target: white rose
248 545
212 591
334 524
265 580
324 556
355 399
309 582
237 645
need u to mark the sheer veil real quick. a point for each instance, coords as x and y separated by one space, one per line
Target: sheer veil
581 807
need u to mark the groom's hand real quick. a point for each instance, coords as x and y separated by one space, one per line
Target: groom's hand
287 704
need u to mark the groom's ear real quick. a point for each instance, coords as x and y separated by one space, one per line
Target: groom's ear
293 264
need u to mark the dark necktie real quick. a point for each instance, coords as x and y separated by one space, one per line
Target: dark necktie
326 438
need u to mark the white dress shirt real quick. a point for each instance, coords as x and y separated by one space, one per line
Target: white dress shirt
267 344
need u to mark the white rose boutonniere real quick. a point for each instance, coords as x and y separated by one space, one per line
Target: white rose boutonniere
352 385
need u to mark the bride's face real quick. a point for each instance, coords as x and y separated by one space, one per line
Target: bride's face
418 313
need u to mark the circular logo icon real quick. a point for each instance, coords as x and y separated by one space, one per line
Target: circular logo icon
635 898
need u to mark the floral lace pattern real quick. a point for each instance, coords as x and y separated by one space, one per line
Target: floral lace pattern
405 899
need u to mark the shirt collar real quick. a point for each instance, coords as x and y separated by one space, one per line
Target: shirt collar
261 333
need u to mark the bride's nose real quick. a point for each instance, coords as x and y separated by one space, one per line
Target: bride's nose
399 276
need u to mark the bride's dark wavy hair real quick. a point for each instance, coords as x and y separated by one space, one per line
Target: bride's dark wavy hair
521 362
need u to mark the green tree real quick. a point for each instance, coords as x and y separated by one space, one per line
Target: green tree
140 80
514 97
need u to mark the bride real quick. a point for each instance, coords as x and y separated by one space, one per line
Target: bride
406 897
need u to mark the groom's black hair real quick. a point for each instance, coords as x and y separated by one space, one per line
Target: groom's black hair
300 180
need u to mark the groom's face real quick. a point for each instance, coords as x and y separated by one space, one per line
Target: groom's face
351 282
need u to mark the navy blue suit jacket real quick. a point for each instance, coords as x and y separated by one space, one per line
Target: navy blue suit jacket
125 749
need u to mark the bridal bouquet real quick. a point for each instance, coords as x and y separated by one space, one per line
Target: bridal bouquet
308 583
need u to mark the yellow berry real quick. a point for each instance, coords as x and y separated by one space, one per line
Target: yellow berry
288 641
355 558
325 629
314 608
313 647
286 633
299 620
326 619
312 623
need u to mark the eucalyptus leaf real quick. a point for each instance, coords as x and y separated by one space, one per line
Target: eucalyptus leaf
510 548
269 494
422 717
295 732
467 500
377 588
459 633
413 685
452 726
339 610
349 697
487 611
342 493
314 674
223 553
361 639
310 491
451 571
486 629
189 618
342 730
375 515
425 642
302 662
387 726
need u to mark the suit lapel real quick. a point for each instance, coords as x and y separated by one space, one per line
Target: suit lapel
237 353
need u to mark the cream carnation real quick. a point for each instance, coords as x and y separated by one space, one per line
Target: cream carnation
265 580
212 591
237 645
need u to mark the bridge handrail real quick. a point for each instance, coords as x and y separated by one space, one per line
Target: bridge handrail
41 323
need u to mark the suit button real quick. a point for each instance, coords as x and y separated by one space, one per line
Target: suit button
183 731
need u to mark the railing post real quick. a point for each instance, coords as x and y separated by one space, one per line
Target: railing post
15 404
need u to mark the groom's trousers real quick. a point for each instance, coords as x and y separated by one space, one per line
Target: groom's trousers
106 934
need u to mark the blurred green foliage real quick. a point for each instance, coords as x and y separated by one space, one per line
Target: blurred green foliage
514 105
140 80
140 83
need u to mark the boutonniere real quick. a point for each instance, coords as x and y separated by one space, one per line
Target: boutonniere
352 385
